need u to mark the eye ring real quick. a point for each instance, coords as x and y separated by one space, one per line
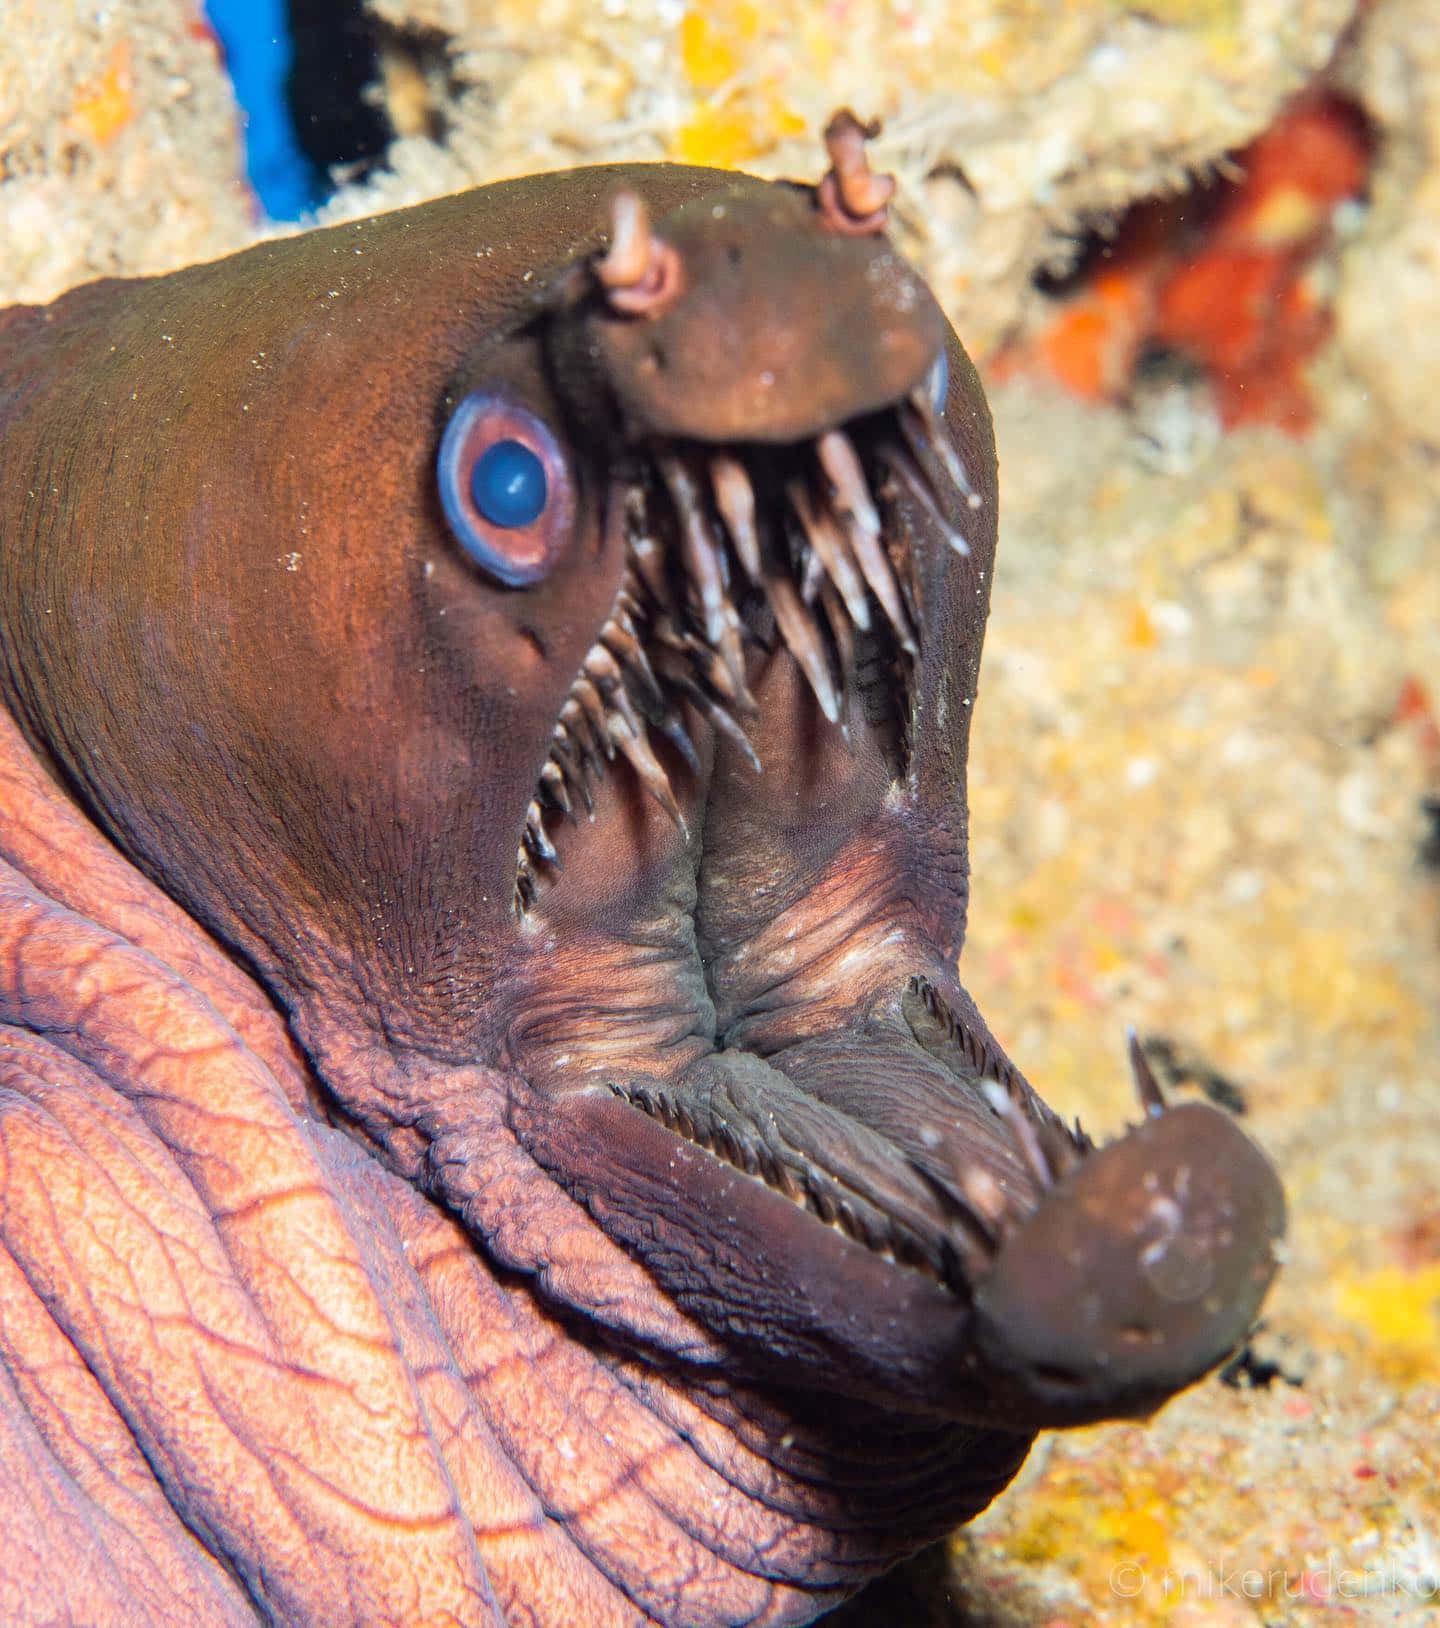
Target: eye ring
505 487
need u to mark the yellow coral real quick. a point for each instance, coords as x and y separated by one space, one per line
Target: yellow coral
712 43
717 135
105 106
732 132
1399 1311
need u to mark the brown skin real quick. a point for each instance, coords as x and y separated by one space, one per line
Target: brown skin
361 1257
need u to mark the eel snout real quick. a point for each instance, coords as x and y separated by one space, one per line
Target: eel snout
1141 1270
762 315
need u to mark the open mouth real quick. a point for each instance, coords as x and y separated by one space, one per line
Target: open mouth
725 547
765 1080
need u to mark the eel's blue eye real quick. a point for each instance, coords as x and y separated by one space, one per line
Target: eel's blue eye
504 483
508 484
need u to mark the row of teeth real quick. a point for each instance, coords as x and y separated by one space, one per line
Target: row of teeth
808 1190
821 563
1049 1148
965 1253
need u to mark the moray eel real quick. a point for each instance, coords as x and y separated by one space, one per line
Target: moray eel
492 1130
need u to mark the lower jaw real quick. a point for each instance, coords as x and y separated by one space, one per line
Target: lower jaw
794 1300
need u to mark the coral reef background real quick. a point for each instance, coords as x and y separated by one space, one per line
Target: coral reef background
1206 772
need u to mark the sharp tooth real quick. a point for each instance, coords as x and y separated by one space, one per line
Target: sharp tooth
733 655
602 667
1147 1087
571 758
710 666
535 836
824 535
596 714
609 679
802 637
1062 1152
783 1179
648 555
627 525
628 605
525 886
914 477
875 563
644 762
704 562
624 644
717 715
840 630
726 723
841 464
672 726
812 574
1022 1132
552 783
735 499
939 444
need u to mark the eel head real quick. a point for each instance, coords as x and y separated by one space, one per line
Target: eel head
556 688
740 879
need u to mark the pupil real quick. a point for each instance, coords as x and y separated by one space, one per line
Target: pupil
508 484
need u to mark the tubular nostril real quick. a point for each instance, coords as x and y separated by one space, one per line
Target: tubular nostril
853 199
640 272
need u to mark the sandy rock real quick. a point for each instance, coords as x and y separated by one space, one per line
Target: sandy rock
119 148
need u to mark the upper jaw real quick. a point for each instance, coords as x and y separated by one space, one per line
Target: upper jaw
730 547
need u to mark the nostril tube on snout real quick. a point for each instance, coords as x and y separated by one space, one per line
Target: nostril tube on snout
1142 1269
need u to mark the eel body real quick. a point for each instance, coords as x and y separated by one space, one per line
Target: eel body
490 1127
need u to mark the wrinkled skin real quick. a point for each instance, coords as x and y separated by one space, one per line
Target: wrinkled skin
364 1258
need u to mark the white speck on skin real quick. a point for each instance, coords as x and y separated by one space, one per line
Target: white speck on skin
1141 771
